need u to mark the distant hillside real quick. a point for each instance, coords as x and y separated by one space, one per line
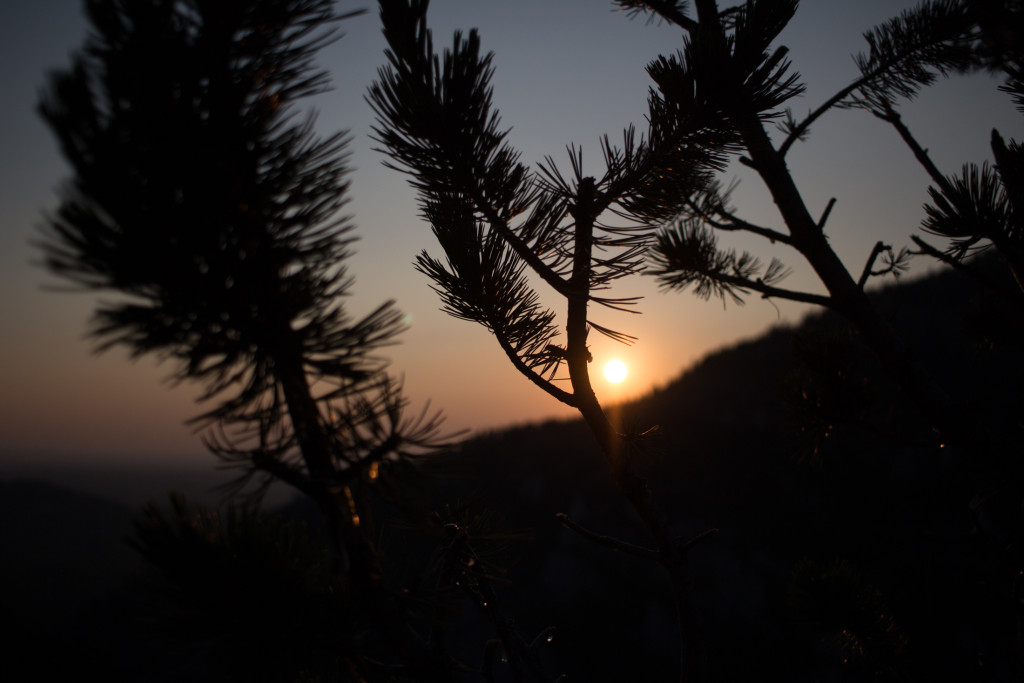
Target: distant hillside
62 562
825 485
132 484
59 548
847 547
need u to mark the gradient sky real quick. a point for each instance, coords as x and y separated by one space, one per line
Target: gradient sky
566 71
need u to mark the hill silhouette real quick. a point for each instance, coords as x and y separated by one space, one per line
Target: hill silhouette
847 547
840 515
64 566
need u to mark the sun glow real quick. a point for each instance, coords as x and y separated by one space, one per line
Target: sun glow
615 371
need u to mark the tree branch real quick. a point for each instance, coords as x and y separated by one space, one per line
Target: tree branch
738 224
801 128
867 272
891 116
699 538
667 10
522 250
826 213
607 541
564 396
956 264
769 292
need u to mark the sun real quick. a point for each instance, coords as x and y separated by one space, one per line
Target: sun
615 371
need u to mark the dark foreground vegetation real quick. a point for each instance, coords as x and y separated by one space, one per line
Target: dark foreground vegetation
849 553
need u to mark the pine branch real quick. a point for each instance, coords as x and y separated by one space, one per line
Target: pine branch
527 371
973 207
891 116
963 266
712 207
437 125
896 263
458 149
689 139
904 54
688 256
228 223
673 11
202 199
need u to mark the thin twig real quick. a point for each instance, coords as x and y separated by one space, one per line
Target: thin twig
801 128
609 542
768 291
867 272
891 116
929 250
736 223
825 213
703 536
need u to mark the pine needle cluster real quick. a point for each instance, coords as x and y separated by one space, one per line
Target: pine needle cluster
204 198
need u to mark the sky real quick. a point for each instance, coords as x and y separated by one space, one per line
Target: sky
567 71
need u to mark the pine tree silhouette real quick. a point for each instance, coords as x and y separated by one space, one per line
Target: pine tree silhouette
499 223
729 61
727 58
205 200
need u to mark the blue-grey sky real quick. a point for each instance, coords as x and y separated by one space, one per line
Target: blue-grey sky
567 71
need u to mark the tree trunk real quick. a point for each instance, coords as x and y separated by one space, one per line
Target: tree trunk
634 488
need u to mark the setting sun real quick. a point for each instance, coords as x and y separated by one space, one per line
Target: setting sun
615 371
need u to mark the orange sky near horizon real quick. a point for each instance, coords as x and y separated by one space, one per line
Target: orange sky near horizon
565 72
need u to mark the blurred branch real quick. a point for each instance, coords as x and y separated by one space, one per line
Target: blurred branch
607 541
699 538
958 265
896 263
670 10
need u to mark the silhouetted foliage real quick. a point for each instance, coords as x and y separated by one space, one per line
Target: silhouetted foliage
236 595
496 220
727 56
201 195
204 199
499 223
710 103
974 210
